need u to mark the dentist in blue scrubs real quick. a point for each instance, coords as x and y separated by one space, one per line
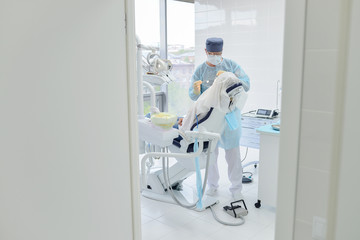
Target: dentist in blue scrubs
201 80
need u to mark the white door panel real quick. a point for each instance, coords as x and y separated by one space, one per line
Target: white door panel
64 142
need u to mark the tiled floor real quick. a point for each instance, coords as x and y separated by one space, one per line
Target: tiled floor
162 221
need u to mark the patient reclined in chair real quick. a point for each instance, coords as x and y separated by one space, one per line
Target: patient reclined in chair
209 111
208 114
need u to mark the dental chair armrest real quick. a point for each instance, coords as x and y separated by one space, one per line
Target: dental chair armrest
202 136
184 136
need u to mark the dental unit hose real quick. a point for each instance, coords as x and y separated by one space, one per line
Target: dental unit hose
226 223
167 180
193 206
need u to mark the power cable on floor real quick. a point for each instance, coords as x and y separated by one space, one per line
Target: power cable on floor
245 154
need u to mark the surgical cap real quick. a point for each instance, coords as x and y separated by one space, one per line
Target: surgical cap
214 44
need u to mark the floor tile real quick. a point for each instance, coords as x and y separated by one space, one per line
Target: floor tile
249 229
202 228
145 219
177 218
228 235
155 230
266 234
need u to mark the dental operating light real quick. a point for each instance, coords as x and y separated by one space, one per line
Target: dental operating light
157 72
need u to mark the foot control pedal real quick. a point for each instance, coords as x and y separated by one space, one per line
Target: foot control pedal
246 180
236 210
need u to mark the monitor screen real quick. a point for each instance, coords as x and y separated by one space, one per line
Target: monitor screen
263 112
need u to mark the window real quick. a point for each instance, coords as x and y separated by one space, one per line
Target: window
181 52
180 46
147 26
147 22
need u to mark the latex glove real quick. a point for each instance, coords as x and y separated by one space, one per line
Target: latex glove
180 121
197 87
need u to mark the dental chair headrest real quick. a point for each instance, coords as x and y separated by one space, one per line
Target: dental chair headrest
236 85
236 100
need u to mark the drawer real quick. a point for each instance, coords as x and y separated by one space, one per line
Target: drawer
251 122
249 132
249 136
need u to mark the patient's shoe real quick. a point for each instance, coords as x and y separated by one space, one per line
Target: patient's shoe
211 191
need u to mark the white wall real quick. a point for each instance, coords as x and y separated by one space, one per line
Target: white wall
325 128
64 151
328 151
321 60
253 37
347 211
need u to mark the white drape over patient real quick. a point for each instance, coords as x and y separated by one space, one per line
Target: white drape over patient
214 97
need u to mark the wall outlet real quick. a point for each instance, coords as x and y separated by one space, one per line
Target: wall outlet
319 228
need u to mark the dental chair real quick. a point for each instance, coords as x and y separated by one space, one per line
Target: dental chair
199 141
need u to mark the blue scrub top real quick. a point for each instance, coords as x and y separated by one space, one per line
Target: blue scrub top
207 74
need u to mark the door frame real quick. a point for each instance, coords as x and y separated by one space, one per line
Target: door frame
293 62
292 85
129 22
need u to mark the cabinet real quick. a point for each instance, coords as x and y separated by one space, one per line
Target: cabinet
258 133
249 123
268 165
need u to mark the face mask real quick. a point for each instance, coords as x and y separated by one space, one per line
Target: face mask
214 59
